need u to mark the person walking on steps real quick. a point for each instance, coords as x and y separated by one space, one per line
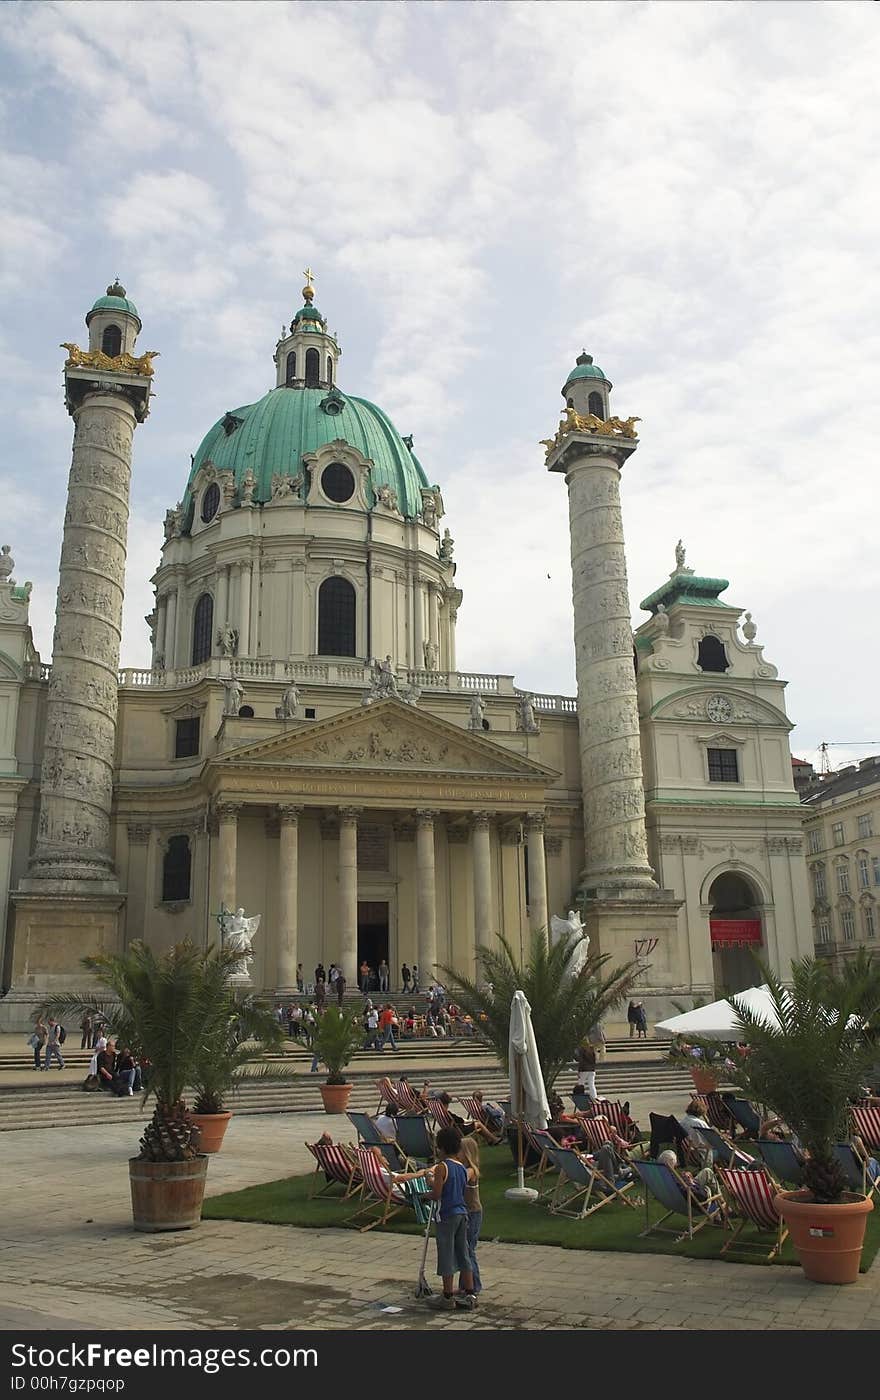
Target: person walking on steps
386 1027
586 1065
340 986
37 1042
54 1041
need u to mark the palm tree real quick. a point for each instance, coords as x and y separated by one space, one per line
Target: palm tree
811 1063
236 1053
168 1009
564 1006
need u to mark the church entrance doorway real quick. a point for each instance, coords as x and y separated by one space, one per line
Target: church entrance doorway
372 944
736 930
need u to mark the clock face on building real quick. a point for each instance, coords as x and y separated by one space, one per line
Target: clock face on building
718 707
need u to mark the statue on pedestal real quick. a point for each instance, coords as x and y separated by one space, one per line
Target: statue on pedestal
227 640
238 932
289 703
478 713
7 564
526 720
233 694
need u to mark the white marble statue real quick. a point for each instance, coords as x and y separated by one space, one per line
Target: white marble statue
661 619
239 932
289 703
572 930
431 653
7 563
227 640
478 712
233 694
447 546
527 720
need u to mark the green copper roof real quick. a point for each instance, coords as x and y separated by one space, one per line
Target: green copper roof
114 304
274 434
309 313
585 369
683 587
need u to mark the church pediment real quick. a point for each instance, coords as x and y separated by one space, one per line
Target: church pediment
727 706
389 737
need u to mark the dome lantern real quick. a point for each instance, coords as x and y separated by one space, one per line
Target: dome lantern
586 389
308 356
113 322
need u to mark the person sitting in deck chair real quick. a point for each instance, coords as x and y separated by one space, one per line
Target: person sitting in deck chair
702 1186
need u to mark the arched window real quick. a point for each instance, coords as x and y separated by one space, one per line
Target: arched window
596 404
246 712
203 626
313 369
176 870
711 655
111 341
290 373
336 618
329 369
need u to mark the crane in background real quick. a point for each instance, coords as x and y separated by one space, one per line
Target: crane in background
825 761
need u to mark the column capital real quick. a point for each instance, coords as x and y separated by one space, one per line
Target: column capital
139 833
534 821
425 816
348 815
228 811
481 820
288 814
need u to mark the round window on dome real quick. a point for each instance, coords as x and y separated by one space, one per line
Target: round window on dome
337 483
211 502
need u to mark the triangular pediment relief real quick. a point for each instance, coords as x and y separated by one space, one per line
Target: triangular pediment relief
713 705
389 736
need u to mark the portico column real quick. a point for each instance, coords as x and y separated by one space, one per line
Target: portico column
483 915
288 872
426 894
227 814
221 605
161 619
348 893
170 631
181 657
537 872
244 609
418 660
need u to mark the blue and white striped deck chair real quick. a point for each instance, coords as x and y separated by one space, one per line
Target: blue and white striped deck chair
581 1181
415 1138
664 1185
855 1169
419 1195
782 1161
724 1152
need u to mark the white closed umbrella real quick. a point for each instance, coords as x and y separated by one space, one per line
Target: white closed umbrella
528 1097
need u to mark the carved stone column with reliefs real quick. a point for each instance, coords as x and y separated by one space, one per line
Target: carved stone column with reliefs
537 872
288 895
484 922
76 788
227 815
348 892
426 893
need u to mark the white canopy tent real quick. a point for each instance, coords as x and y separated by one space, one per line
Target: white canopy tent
719 1020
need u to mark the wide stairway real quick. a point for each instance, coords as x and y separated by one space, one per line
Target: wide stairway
459 1067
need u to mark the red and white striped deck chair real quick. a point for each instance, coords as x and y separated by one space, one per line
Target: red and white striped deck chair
617 1116
407 1099
718 1113
474 1109
597 1132
866 1122
751 1196
339 1167
441 1115
380 1197
387 1092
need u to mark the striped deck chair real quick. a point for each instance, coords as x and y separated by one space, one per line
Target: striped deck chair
855 1169
666 1186
415 1138
782 1161
366 1129
387 1092
381 1199
476 1111
618 1118
744 1114
866 1122
407 1099
723 1151
752 1196
718 1114
597 1131
441 1115
581 1181
418 1195
339 1166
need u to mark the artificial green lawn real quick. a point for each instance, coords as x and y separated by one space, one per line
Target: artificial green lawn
286 1202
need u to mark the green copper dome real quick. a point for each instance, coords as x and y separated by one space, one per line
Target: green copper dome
271 437
585 369
309 313
115 300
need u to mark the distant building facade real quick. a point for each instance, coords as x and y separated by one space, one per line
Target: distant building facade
842 833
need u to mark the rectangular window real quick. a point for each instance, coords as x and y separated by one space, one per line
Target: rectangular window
847 919
875 867
864 873
870 925
814 838
823 931
819 881
186 737
843 879
837 833
723 766
866 825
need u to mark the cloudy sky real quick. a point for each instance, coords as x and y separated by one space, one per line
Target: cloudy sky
687 190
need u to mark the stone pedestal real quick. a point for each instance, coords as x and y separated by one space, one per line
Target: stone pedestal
53 933
640 927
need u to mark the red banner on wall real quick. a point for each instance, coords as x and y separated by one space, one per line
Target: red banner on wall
729 933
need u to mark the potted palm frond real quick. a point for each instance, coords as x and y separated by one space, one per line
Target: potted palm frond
235 1053
167 1008
338 1034
806 1061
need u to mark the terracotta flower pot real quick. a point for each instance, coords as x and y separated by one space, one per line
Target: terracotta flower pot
706 1081
167 1195
826 1238
336 1097
212 1128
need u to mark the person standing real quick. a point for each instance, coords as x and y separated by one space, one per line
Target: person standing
53 1044
641 1021
586 1064
415 977
37 1042
449 1180
366 973
597 1039
405 978
470 1156
320 995
632 1016
371 1028
384 972
340 986
320 974
85 1026
299 978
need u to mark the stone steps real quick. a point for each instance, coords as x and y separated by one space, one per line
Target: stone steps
67 1106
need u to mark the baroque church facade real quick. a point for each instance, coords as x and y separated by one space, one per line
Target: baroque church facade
304 746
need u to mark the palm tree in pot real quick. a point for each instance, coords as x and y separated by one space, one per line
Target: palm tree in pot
807 1062
234 1054
338 1034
